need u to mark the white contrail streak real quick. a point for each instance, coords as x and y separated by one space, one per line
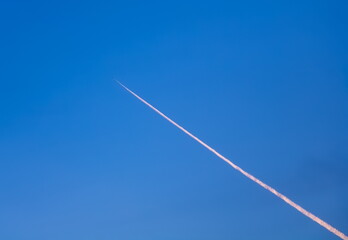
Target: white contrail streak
248 175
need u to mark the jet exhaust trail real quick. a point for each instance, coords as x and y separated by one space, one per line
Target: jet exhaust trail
248 175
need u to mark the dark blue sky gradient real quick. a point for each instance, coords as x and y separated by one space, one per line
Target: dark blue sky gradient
263 82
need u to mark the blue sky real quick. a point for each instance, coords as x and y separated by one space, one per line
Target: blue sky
265 83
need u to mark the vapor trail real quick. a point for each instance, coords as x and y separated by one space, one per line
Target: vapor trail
248 175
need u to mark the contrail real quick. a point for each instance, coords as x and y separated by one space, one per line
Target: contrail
248 175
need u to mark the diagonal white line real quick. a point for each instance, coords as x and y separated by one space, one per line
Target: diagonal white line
248 175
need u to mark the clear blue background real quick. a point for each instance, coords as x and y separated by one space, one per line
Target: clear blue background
264 82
